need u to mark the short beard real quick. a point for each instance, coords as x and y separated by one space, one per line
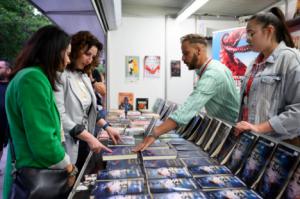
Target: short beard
193 64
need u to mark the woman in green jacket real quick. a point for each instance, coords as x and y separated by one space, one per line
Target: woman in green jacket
33 118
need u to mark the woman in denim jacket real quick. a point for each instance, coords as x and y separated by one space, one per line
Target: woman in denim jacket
270 101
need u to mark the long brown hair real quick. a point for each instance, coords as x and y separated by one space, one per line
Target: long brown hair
275 17
81 42
44 49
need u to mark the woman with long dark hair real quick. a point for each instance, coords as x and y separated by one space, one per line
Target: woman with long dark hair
270 92
32 115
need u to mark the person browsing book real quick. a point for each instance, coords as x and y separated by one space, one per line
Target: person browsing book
76 100
215 90
270 102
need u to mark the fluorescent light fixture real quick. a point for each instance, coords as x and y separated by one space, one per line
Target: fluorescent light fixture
188 10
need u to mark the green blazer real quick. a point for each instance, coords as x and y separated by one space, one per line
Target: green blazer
34 123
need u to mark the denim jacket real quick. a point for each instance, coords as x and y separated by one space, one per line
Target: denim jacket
275 93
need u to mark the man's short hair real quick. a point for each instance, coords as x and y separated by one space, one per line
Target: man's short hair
194 38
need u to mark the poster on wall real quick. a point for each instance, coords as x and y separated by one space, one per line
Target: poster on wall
132 68
126 98
141 104
152 66
175 68
231 48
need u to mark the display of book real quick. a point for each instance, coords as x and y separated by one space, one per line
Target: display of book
214 182
201 136
119 174
292 190
210 134
167 172
201 129
128 196
122 164
232 194
219 139
278 171
172 185
162 163
186 154
241 151
118 187
257 161
193 162
119 153
227 147
209 170
159 154
180 195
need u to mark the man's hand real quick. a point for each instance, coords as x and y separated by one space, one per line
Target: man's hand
145 144
100 88
96 146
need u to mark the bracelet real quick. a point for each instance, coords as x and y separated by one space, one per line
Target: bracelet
74 171
105 126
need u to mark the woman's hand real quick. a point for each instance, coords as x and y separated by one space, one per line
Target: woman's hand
96 146
113 134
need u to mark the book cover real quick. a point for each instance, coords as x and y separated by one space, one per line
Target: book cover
193 162
227 147
186 147
175 68
277 172
119 174
178 141
292 191
180 195
210 134
232 194
126 140
167 172
172 185
219 139
241 151
118 187
255 164
128 196
162 163
200 131
125 101
159 154
209 170
186 154
141 104
192 127
119 153
159 145
219 181
122 164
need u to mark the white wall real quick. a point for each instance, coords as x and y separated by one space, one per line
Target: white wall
154 36
135 37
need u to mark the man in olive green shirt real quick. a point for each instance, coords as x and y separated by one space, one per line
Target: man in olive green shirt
215 90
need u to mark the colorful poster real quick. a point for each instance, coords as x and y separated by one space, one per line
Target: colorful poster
231 48
175 68
126 99
152 66
141 104
132 67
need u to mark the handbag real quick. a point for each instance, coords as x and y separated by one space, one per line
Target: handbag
35 183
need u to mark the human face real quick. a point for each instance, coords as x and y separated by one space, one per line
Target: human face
189 55
4 71
257 36
86 57
66 58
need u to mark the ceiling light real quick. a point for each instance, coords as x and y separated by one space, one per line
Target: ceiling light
190 9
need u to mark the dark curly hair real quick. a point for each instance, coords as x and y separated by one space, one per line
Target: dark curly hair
81 42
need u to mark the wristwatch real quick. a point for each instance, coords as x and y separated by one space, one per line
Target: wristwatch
106 125
74 171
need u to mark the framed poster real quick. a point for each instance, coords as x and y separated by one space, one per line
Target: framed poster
132 67
231 48
125 98
175 68
152 66
141 104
